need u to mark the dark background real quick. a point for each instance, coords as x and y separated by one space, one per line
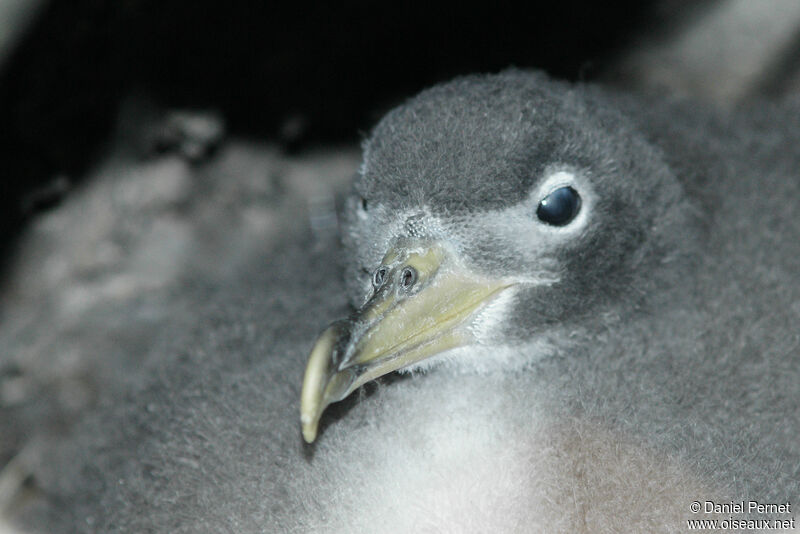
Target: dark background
293 72
105 285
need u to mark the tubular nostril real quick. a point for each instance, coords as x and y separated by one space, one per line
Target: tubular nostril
378 277
408 277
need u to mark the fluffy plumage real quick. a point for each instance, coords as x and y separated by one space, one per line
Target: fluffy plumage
659 365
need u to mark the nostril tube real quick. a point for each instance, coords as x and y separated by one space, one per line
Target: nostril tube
378 277
408 277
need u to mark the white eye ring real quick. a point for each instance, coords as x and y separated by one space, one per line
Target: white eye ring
563 179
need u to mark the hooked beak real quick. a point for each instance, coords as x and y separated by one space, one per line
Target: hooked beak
421 306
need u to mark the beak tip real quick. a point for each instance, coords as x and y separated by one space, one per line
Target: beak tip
317 375
310 430
309 420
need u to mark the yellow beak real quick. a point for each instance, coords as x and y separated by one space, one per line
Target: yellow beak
420 306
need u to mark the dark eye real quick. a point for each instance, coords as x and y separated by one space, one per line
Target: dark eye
363 203
559 207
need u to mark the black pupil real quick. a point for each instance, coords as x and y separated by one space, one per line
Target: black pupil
559 207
